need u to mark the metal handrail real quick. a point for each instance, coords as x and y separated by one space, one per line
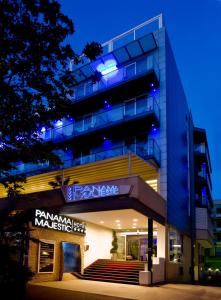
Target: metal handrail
139 149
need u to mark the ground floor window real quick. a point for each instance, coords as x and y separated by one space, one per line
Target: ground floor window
175 246
46 256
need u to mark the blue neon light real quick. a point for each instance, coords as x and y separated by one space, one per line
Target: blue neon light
108 67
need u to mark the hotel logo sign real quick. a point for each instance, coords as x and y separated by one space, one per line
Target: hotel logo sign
57 222
85 192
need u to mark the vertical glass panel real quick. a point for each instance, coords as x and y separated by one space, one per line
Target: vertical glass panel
88 88
79 91
130 71
150 103
116 114
129 108
78 127
68 128
141 66
121 240
87 122
175 246
141 105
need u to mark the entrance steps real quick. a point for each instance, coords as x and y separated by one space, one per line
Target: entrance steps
114 271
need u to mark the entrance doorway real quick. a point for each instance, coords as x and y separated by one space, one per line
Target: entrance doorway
134 247
71 257
137 248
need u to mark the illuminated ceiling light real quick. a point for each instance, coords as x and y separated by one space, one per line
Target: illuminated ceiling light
134 227
101 222
43 129
117 221
135 220
134 224
108 67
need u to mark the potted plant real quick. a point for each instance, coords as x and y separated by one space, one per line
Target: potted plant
114 248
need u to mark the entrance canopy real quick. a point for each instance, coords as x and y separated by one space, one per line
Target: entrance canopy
130 196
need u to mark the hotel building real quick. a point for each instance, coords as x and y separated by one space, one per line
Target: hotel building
139 173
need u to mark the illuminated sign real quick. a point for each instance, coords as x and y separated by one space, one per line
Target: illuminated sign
84 192
57 222
107 67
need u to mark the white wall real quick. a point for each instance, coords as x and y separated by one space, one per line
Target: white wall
161 241
99 240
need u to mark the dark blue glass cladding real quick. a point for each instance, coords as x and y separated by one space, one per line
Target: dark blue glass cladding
178 197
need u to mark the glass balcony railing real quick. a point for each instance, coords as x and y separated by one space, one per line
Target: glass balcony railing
206 177
140 106
147 151
203 200
202 149
123 74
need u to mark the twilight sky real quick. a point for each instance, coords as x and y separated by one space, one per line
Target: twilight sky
194 28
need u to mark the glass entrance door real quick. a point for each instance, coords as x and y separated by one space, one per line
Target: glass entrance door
136 248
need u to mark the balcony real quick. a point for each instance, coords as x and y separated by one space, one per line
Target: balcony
142 73
202 155
149 152
205 179
142 107
204 227
203 201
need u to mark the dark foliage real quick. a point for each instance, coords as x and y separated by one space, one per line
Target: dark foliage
35 90
35 82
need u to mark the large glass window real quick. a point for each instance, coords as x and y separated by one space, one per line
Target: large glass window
130 71
141 104
79 91
141 65
129 108
175 246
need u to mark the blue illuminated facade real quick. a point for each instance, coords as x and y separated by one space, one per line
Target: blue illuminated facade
139 106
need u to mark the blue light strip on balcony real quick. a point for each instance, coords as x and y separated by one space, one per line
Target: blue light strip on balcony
107 67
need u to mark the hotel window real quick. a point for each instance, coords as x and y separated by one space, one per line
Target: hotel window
141 104
130 70
88 88
175 246
129 108
79 91
141 66
88 122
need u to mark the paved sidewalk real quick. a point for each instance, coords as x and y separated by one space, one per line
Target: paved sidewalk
94 290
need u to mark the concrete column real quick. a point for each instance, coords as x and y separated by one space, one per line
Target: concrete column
161 241
150 246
